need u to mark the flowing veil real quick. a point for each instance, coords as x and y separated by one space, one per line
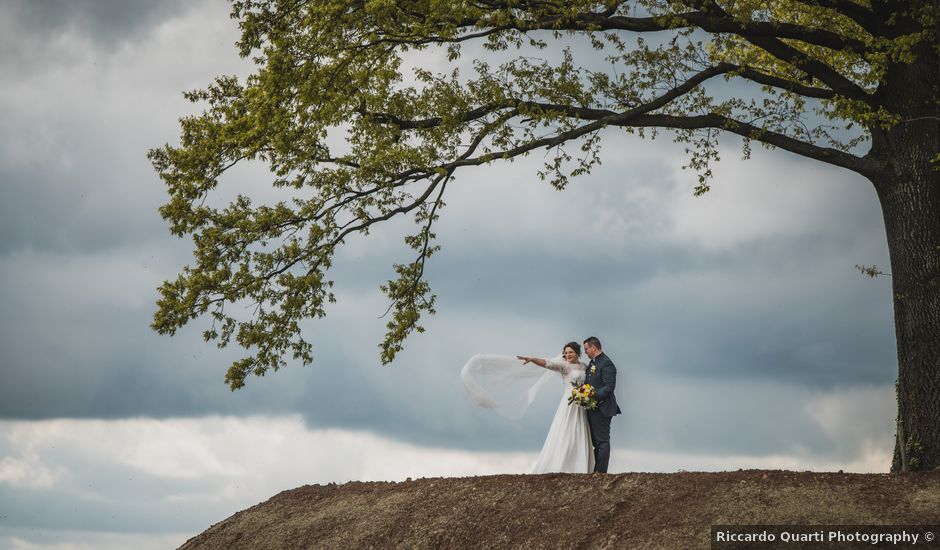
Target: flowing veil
503 383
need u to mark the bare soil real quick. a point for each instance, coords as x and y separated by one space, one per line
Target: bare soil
629 510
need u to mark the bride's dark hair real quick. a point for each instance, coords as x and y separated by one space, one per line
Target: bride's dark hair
575 346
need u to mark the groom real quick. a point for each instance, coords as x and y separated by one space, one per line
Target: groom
602 375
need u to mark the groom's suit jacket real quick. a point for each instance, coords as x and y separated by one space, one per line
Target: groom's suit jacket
604 380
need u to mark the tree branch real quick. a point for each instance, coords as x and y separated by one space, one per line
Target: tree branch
864 166
817 69
788 54
726 24
718 22
585 113
640 117
856 12
434 122
783 83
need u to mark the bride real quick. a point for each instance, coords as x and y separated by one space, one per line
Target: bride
567 446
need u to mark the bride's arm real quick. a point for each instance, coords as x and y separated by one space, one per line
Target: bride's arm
544 363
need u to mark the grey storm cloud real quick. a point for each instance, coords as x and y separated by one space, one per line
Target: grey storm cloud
105 21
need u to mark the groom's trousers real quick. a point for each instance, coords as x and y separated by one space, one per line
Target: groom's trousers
600 438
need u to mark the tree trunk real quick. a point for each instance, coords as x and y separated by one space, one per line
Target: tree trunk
912 220
910 200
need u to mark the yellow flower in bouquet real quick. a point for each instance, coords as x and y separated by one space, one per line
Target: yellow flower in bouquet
583 396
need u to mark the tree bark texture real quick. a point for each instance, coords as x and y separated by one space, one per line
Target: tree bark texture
909 193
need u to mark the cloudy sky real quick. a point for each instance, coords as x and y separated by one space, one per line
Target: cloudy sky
743 334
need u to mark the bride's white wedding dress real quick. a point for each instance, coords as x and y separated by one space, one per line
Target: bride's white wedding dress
567 446
503 383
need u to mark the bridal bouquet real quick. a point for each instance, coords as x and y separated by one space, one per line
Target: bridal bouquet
583 396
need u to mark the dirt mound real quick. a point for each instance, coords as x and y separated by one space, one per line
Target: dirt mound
631 510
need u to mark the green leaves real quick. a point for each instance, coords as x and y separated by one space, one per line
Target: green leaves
366 110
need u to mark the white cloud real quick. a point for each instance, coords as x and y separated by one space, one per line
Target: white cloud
28 472
234 461
850 414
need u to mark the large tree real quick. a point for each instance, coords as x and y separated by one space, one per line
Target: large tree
354 138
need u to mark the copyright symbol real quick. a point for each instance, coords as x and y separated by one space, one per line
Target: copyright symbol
928 536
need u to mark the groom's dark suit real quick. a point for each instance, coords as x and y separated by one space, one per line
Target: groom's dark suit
602 375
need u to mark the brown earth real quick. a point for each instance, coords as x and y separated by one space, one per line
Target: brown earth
630 510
